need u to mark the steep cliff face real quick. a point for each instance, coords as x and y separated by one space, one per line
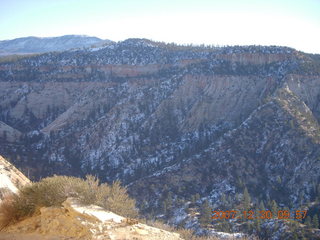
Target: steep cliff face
197 119
10 178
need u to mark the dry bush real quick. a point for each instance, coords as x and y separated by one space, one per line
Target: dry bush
8 213
186 233
116 199
160 225
53 191
130 221
88 192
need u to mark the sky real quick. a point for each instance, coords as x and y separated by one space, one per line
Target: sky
292 23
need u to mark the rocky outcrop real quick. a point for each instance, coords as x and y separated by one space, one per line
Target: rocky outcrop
74 221
255 58
10 178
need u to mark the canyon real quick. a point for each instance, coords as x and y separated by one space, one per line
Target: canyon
169 121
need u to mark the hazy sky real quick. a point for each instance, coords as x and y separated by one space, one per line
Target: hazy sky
293 23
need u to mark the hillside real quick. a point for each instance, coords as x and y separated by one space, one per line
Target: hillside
80 222
171 122
32 45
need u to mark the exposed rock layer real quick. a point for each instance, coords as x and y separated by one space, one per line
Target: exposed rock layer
196 119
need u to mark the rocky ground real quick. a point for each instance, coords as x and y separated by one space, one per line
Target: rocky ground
73 221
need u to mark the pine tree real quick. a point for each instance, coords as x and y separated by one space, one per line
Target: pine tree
230 202
193 199
223 200
279 180
295 236
224 226
261 206
301 198
257 224
165 207
315 221
167 203
246 200
257 220
197 197
169 200
205 214
307 222
274 208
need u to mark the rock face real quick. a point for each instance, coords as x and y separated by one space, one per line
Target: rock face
73 221
10 178
169 120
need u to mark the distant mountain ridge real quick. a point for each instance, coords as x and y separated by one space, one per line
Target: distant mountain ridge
30 45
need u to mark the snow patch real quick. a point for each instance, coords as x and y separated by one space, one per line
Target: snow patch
99 213
5 182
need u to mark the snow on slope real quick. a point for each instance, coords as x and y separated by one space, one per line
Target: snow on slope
40 45
10 178
81 222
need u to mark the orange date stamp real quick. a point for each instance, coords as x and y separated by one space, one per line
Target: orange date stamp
263 214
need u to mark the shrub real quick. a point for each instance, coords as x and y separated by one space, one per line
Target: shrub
8 211
53 191
159 224
116 199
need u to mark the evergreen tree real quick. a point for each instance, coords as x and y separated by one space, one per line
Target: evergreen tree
197 197
205 214
223 200
295 236
169 200
261 206
167 203
274 208
230 202
193 199
301 198
307 222
246 200
315 221
257 224
165 207
224 226
279 180
249 227
257 220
